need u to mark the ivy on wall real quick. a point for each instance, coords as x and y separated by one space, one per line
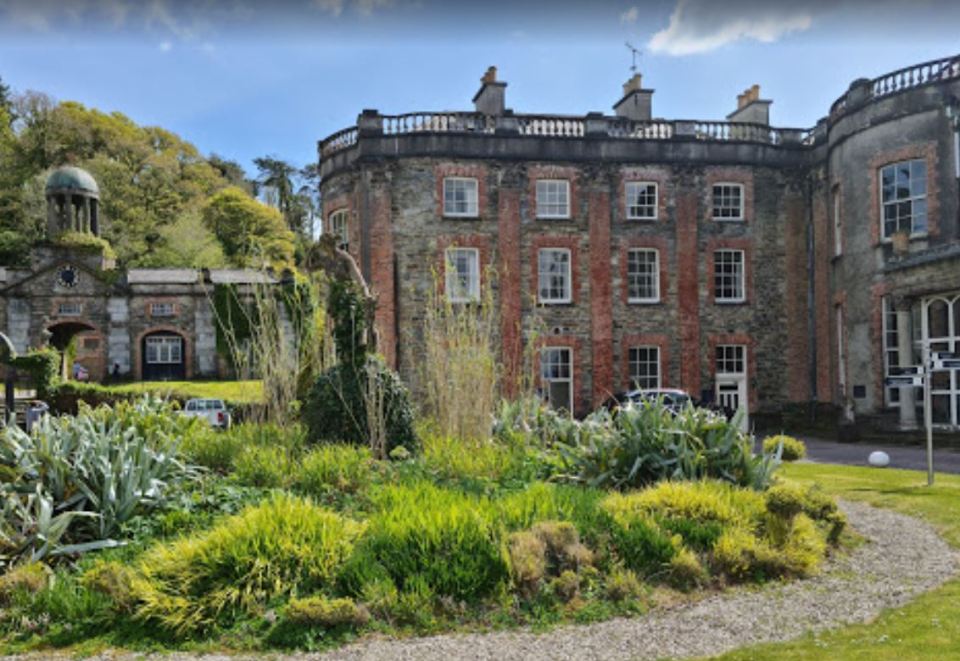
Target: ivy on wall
41 367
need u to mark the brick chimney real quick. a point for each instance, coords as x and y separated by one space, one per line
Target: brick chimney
636 103
751 108
491 99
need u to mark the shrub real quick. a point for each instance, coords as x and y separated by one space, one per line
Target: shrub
78 479
566 586
212 449
645 443
439 537
114 580
793 449
685 570
488 459
528 561
29 578
342 468
785 500
263 466
623 584
337 408
639 542
285 546
326 613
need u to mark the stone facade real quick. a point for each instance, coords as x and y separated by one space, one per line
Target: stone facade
811 322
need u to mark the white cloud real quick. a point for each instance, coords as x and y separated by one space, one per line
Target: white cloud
166 46
630 16
334 7
698 26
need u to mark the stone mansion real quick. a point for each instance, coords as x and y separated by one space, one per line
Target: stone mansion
751 265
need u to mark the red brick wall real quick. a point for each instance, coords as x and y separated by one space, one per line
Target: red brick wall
826 349
688 291
382 281
601 296
798 327
508 247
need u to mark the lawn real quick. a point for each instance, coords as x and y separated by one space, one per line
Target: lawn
928 628
235 392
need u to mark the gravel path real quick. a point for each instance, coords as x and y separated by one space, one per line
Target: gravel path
903 558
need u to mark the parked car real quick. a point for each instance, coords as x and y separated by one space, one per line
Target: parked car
213 411
672 399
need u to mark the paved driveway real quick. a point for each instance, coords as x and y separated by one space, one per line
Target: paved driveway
914 457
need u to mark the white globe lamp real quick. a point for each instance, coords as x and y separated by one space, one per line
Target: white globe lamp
879 459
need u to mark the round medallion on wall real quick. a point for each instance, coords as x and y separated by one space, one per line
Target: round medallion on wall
67 276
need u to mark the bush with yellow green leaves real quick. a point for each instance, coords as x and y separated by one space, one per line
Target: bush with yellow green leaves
793 448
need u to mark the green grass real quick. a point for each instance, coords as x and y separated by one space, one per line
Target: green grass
927 628
235 392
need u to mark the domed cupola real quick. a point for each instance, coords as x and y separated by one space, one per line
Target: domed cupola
73 202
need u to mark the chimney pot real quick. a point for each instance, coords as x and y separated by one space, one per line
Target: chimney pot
750 108
491 99
490 76
636 101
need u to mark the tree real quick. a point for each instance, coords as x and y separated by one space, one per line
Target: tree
6 103
232 172
279 176
251 233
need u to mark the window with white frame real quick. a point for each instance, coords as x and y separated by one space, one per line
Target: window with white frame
554 276
643 364
463 275
161 309
731 359
728 201
339 228
643 275
69 309
641 200
837 224
903 198
553 198
891 352
728 276
164 350
556 375
460 197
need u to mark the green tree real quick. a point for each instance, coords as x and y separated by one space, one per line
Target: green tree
251 233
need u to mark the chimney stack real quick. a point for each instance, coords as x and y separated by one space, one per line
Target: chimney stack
751 108
491 99
637 102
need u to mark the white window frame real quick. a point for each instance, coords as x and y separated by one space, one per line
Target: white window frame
165 350
542 273
471 194
891 352
837 224
728 355
631 193
741 215
546 380
339 225
70 309
740 281
652 360
546 188
913 199
452 273
162 310
655 279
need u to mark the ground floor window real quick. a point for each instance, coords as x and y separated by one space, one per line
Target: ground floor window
891 352
644 367
556 375
941 328
164 350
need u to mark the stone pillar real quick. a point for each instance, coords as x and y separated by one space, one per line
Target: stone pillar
118 337
206 337
53 224
85 215
908 396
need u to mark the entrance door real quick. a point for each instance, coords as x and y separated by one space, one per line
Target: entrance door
731 382
163 357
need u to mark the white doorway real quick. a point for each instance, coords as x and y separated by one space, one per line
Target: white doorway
731 381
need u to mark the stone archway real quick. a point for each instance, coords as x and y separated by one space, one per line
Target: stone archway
163 353
90 349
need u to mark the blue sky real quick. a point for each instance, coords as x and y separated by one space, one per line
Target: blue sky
244 78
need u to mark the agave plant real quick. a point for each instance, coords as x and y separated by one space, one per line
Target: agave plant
75 480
